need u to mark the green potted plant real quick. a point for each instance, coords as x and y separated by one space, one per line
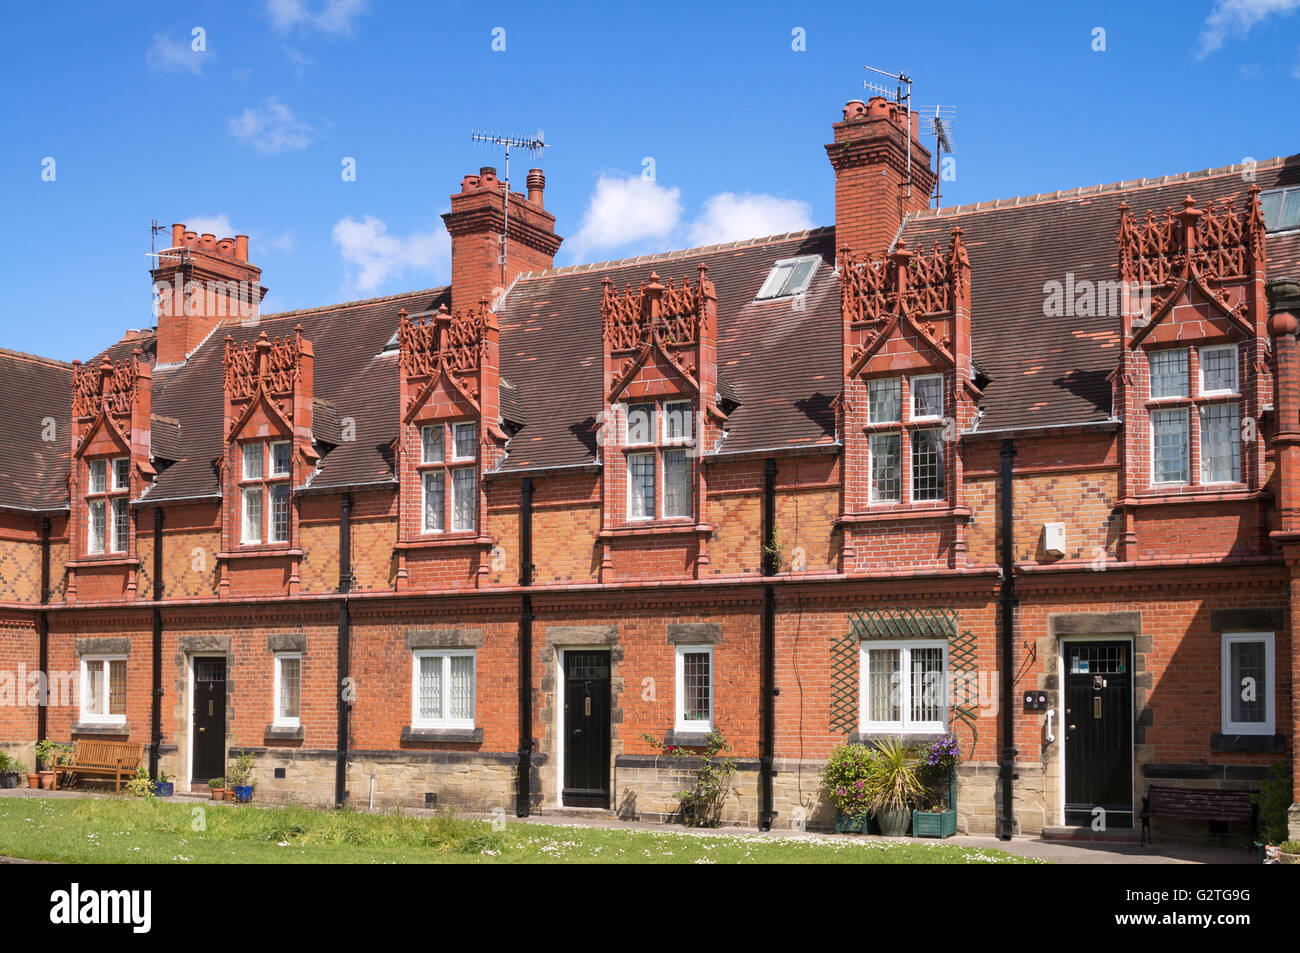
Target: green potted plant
896 787
218 786
239 778
10 771
163 787
47 756
847 780
936 815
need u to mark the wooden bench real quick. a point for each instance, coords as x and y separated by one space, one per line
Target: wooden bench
1192 804
106 759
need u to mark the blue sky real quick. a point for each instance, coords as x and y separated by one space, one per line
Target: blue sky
253 131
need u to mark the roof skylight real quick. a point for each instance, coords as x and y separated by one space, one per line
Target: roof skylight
788 277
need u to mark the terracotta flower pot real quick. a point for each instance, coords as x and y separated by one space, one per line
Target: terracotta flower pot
33 780
47 780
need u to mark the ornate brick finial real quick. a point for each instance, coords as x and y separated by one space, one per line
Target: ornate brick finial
671 311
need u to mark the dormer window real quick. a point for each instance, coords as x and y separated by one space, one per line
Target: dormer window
1281 208
897 445
788 277
659 476
1187 408
439 479
265 492
107 505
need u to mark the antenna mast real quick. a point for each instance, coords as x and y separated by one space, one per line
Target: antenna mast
938 122
901 82
533 145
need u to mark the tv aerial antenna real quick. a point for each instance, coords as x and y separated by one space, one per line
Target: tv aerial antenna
902 94
938 121
534 145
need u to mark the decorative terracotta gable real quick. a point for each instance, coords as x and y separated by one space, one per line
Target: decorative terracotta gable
110 420
449 369
1190 278
268 388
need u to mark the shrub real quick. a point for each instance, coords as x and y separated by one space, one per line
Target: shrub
848 778
896 777
702 805
141 785
1274 799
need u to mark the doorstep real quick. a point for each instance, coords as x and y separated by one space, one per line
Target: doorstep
1119 835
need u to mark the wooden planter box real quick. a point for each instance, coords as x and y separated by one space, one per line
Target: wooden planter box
940 823
852 825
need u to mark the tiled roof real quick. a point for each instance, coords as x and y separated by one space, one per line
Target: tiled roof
783 362
1052 370
35 394
778 365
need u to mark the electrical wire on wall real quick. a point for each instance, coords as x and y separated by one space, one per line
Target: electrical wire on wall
806 801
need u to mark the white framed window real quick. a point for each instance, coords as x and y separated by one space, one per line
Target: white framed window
1219 369
288 690
1248 677
97 528
252 458
904 686
1281 208
442 688
886 453
677 483
281 499
281 457
677 422
431 450
108 505
788 277
251 518
927 464
464 442
640 424
433 482
463 506
98 476
120 528
1169 445
694 683
122 473
885 400
1168 373
1220 444
103 689
640 486
927 396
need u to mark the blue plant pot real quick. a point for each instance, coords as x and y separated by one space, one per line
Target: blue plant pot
243 793
164 789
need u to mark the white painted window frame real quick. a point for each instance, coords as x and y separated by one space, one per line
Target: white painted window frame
1236 370
278 720
1269 725
101 665
904 687
445 721
679 707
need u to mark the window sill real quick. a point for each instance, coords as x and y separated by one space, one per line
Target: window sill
682 526
283 733
904 511
1248 744
441 735
687 739
1192 493
260 551
445 541
908 739
111 559
102 728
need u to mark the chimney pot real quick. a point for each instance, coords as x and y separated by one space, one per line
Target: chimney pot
854 109
241 247
209 241
191 239
536 186
178 235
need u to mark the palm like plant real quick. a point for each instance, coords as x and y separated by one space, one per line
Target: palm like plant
897 777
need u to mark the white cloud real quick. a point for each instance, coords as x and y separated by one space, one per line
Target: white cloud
374 256
218 225
1237 17
168 55
332 16
271 127
626 210
728 217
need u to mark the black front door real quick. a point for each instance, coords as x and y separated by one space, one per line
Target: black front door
586 729
209 719
1098 727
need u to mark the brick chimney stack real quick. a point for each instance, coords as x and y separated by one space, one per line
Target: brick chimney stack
869 156
476 221
201 282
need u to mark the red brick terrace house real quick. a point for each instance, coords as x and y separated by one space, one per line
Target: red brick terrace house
467 546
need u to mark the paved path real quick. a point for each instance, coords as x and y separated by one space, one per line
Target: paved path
1024 846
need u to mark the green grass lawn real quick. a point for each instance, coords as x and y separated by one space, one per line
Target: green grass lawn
147 831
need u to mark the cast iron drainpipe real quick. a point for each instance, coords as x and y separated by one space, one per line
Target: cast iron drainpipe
344 686
771 561
524 791
155 712
43 630
1007 627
